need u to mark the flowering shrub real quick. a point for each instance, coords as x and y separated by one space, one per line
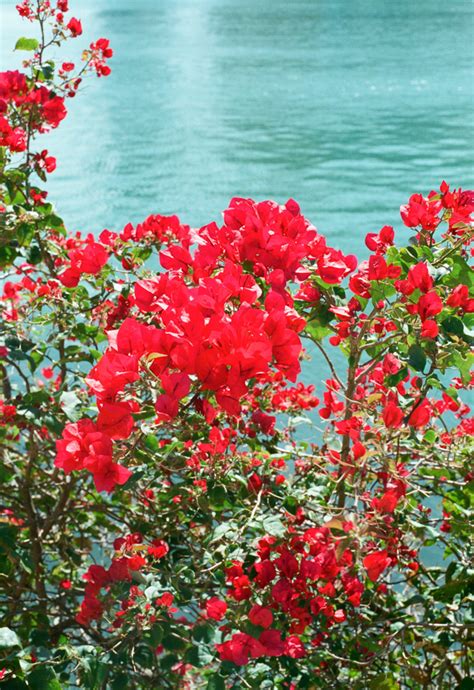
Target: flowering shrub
162 523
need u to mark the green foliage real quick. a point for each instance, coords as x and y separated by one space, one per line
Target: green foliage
27 44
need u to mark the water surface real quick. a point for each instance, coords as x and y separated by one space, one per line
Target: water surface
347 106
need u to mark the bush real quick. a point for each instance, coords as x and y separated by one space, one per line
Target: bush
163 523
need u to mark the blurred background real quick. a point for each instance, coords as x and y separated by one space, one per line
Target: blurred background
349 106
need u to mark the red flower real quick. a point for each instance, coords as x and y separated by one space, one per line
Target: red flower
380 243
266 572
88 259
254 483
82 446
75 27
112 373
45 162
107 474
392 416
54 110
115 420
375 563
421 211
429 305
282 591
294 648
272 643
13 138
460 298
429 329
91 609
387 503
333 266
421 415
73 447
158 548
166 599
419 277
261 615
216 608
239 648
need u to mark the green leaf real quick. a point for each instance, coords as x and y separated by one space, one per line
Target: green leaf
26 44
416 358
48 70
291 504
8 638
464 364
217 495
151 443
119 682
380 290
453 326
43 679
14 684
274 526
460 272
318 326
174 643
203 633
198 656
317 330
393 379
156 635
384 682
215 682
7 255
447 592
69 404
34 255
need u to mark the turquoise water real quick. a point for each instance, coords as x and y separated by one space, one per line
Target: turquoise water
348 106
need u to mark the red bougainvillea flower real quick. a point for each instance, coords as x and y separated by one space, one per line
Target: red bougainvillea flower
82 446
429 305
54 110
201 349
13 138
421 415
88 259
75 27
115 420
379 242
392 416
239 649
261 615
429 329
375 564
294 647
216 608
421 212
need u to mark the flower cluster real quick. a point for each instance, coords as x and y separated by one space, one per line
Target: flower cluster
128 562
206 327
306 583
84 446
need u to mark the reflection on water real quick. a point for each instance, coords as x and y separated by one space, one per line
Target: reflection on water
346 106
